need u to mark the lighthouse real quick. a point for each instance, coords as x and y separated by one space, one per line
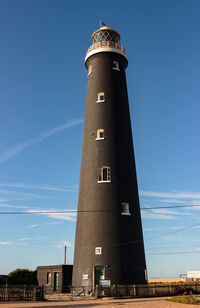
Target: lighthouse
109 241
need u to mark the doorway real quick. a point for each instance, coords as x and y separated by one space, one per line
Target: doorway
56 278
99 274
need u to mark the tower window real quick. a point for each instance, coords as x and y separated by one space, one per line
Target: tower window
98 250
100 134
100 97
116 65
125 209
104 174
89 70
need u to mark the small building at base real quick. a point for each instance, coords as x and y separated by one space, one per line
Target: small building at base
55 278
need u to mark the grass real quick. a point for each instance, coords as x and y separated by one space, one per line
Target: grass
186 299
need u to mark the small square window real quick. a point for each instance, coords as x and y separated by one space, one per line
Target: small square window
100 134
125 209
100 97
116 65
98 250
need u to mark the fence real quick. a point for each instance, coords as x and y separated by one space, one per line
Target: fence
20 293
150 290
68 293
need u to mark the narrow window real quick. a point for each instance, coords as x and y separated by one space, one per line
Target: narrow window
48 278
116 65
125 209
104 174
89 70
100 134
100 97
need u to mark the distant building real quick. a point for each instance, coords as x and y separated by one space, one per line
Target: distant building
165 280
55 278
193 275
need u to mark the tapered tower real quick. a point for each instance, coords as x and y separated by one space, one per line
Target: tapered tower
109 241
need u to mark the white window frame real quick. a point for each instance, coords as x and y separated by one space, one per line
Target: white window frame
85 276
116 66
49 276
125 209
89 70
99 131
98 250
99 95
101 174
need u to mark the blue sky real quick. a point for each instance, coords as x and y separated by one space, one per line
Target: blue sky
42 101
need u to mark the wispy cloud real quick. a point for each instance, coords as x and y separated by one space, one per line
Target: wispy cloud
71 216
5 243
22 195
25 239
32 226
72 188
65 243
54 223
175 201
165 211
170 195
156 216
16 149
13 206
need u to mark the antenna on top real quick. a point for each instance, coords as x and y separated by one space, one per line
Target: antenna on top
65 255
102 23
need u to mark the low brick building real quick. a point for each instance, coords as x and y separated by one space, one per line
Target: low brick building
55 278
3 279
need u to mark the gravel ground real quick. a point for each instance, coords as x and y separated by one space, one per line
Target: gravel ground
103 303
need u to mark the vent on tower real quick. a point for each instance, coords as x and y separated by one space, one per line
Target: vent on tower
125 209
116 66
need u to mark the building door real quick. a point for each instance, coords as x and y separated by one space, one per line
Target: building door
99 274
56 277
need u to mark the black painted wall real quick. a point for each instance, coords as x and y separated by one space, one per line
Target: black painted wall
119 236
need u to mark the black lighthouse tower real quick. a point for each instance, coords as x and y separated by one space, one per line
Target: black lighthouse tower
109 241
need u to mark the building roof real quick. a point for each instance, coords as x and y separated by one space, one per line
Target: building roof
104 29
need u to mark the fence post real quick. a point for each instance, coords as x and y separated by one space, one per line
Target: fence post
134 290
97 291
6 292
25 292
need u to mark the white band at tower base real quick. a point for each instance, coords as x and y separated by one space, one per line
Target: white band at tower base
105 49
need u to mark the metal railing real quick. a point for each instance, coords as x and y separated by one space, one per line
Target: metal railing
107 44
69 293
20 293
151 290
